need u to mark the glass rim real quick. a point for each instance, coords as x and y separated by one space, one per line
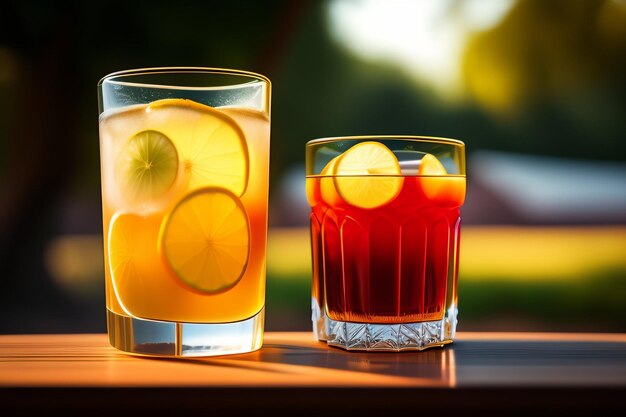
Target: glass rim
111 78
453 148
411 138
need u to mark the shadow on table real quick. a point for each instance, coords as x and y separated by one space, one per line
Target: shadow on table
464 363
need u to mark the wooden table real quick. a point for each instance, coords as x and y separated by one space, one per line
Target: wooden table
292 374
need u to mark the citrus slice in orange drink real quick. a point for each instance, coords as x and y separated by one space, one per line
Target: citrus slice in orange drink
211 145
367 175
147 166
203 146
131 248
205 240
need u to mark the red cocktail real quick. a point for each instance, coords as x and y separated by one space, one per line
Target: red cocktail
385 228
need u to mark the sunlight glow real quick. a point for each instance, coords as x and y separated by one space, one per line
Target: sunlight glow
424 37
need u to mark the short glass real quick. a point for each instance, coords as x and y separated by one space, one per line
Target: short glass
385 229
185 173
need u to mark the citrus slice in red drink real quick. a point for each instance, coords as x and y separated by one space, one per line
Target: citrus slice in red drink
205 240
430 165
328 192
367 175
324 189
440 188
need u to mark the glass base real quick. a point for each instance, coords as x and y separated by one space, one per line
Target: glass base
384 337
174 339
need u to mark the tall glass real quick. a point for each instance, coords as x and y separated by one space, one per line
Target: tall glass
185 167
385 228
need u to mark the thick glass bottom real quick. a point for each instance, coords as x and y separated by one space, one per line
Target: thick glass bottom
174 339
384 337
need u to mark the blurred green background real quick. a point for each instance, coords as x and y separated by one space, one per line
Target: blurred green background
536 89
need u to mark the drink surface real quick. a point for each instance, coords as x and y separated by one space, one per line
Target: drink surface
391 257
184 190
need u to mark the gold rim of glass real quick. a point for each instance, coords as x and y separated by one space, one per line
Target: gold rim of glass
432 139
455 155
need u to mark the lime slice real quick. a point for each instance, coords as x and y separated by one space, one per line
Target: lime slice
211 145
367 175
147 165
205 240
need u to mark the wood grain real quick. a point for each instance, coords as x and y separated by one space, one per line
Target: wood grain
296 360
557 374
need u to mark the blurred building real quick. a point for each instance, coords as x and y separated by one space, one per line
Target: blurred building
507 188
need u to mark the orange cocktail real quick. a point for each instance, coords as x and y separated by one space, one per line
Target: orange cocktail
185 193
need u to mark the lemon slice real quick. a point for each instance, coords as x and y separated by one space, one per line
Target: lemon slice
327 190
147 165
375 172
322 188
430 165
441 189
211 145
205 240
312 192
128 252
